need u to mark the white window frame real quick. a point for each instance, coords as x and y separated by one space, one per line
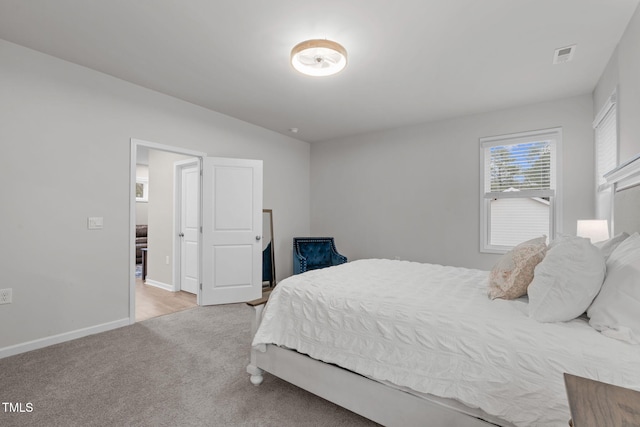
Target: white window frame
603 190
555 211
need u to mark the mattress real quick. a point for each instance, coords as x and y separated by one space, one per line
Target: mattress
432 329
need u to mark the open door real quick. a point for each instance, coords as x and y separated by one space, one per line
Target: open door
187 274
231 230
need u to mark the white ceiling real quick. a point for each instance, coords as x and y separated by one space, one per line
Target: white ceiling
410 61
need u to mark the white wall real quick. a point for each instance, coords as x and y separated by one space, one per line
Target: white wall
65 132
414 192
623 71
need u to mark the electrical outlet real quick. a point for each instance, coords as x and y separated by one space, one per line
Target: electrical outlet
5 296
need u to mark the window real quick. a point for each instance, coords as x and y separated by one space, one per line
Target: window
606 154
519 188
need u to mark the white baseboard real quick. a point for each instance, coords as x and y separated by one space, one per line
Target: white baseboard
160 285
56 339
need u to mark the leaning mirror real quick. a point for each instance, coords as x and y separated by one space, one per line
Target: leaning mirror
268 258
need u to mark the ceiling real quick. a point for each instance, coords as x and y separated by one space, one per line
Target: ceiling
410 61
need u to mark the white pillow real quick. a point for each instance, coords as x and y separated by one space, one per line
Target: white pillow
566 281
608 246
616 310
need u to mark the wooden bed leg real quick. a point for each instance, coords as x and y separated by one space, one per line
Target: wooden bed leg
252 369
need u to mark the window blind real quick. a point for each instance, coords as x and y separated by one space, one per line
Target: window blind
517 167
606 145
606 156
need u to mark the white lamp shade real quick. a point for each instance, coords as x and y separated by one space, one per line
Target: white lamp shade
595 229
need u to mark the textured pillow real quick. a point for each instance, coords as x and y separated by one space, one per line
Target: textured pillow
512 274
608 246
566 281
616 310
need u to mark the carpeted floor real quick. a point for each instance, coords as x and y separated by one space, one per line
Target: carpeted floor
182 369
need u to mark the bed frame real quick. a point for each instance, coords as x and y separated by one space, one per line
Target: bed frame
390 406
371 399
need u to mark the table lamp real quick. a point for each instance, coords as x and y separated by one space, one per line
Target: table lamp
596 230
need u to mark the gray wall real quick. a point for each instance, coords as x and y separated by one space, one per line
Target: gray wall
65 132
413 192
623 71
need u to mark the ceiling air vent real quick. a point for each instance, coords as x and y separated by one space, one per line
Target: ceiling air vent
564 54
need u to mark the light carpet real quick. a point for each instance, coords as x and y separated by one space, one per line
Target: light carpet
182 369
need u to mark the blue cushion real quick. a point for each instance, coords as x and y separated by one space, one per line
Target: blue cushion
318 254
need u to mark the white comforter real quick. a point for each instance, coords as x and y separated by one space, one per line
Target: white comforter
433 329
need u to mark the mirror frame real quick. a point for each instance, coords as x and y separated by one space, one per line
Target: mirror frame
272 283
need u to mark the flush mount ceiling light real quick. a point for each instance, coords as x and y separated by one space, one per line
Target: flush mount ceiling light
318 57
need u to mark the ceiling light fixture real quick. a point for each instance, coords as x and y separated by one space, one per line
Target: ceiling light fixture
318 57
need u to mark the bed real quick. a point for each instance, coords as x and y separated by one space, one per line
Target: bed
406 343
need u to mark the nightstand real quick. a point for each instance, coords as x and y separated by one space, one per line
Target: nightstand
597 404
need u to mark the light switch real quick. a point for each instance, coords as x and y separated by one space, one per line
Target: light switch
94 223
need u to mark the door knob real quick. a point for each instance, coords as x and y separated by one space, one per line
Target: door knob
258 238
181 234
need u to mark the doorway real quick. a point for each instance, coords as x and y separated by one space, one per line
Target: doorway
229 227
153 214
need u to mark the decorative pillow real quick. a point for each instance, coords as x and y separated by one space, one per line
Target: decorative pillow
615 311
512 274
559 239
566 281
608 246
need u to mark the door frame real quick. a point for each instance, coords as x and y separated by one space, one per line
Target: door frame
134 145
177 218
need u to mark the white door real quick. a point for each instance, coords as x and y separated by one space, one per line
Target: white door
189 227
232 230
